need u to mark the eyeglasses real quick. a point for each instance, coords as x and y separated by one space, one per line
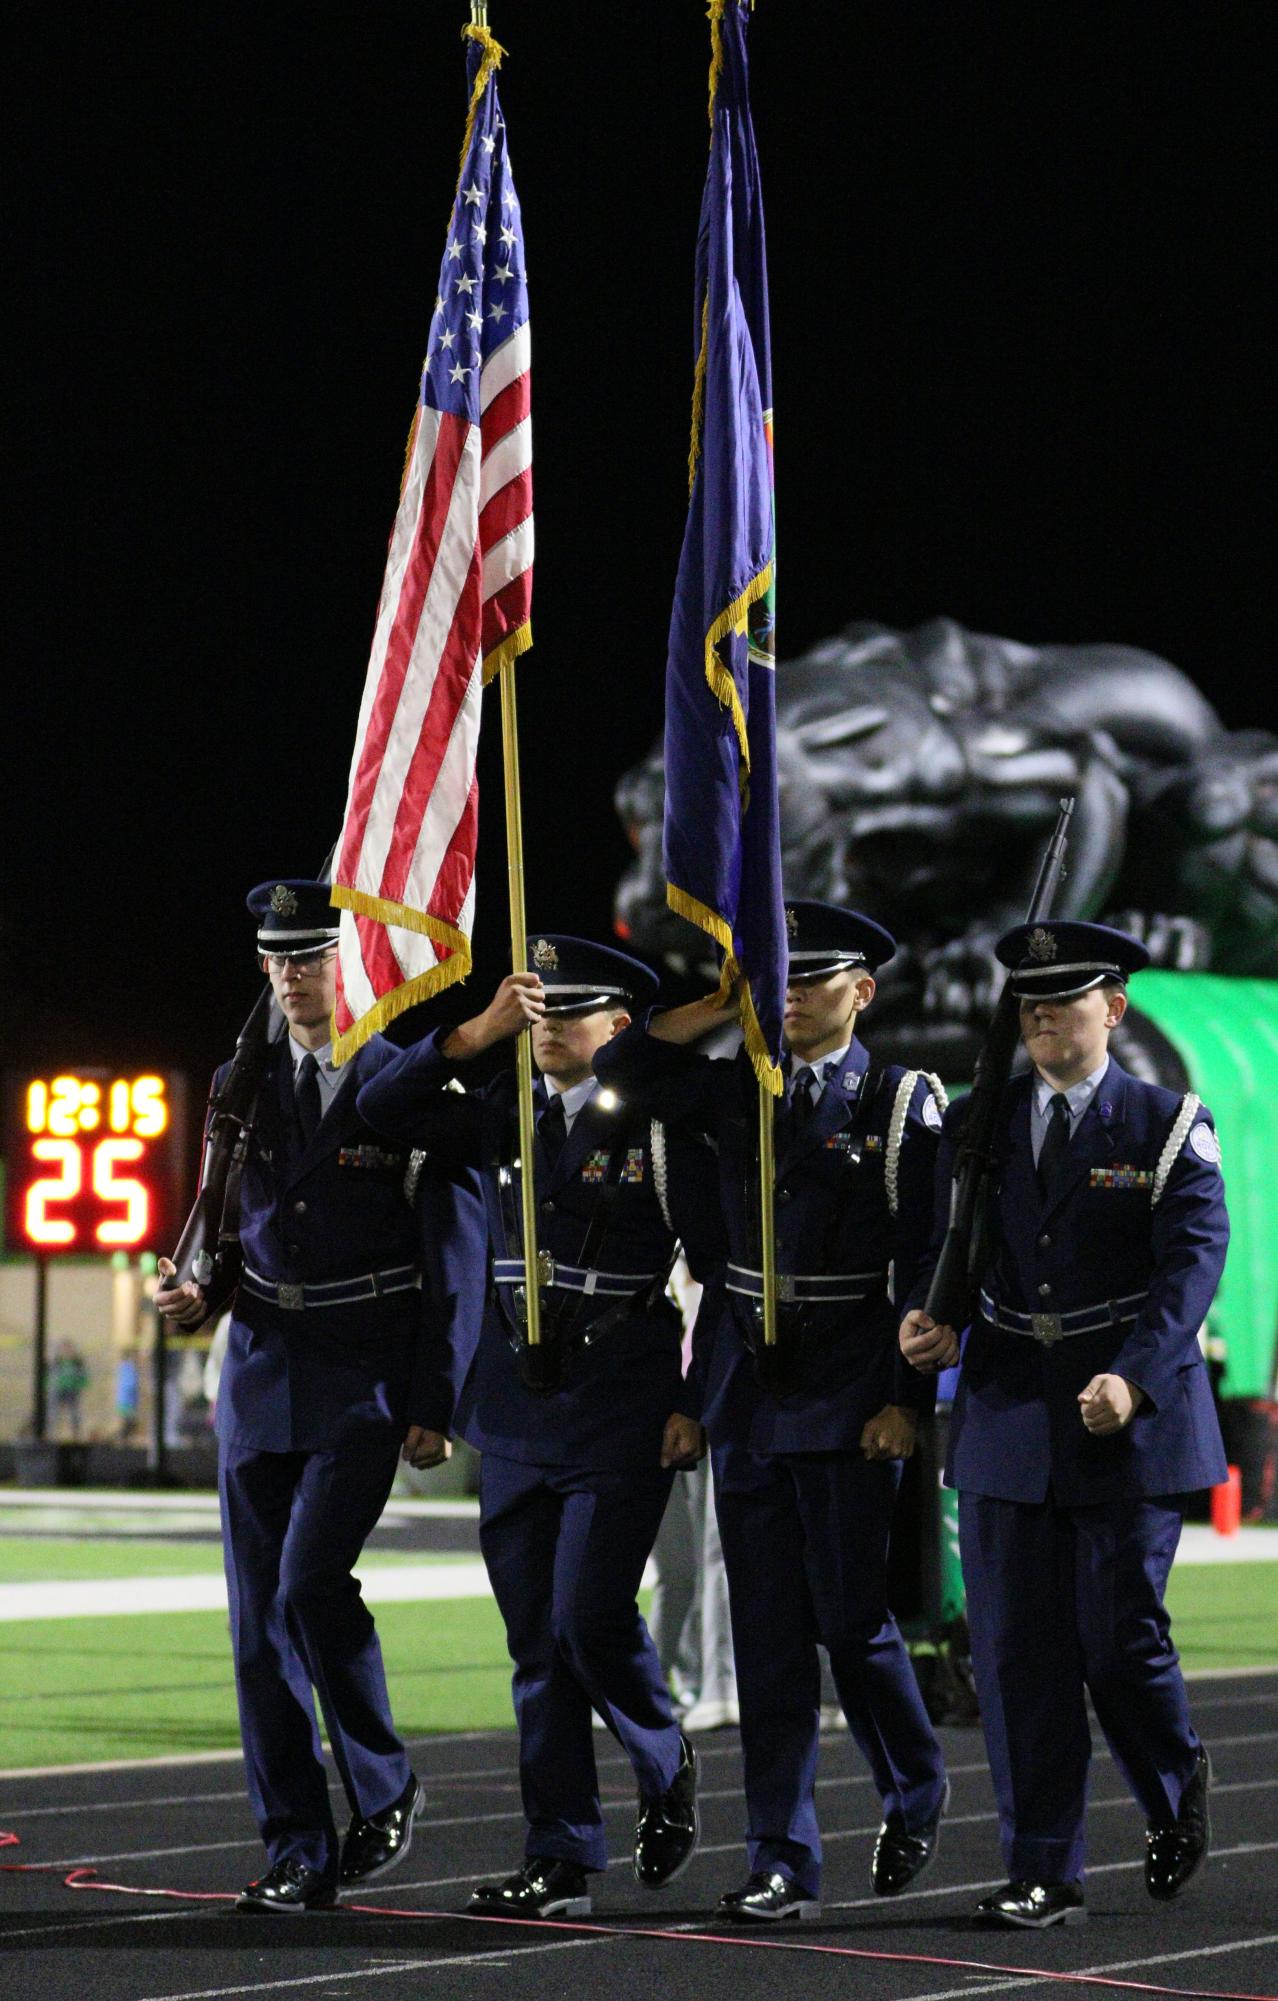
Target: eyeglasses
311 962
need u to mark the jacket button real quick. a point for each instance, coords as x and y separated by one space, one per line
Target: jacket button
1045 1243
783 1195
1044 1290
299 1208
547 1208
294 1250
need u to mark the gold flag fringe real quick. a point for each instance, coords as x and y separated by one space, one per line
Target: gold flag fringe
408 994
511 647
491 60
768 1073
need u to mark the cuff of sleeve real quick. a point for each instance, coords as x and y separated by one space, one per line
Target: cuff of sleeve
690 1398
1139 1370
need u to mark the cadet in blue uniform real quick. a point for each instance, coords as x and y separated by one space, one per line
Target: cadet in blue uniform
337 1359
805 1481
1083 1418
574 1480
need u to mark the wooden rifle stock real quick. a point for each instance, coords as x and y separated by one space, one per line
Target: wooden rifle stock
205 1255
952 1294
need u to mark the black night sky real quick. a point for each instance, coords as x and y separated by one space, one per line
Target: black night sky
1022 377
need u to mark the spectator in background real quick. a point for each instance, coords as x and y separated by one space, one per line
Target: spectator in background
68 1380
126 1395
689 1618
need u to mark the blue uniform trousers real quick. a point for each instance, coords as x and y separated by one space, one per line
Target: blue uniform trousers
1057 1598
293 1526
565 1550
805 1540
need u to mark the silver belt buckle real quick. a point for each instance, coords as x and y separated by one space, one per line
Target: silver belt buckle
291 1297
1046 1327
785 1288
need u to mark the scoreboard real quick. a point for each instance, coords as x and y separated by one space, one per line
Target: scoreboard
95 1161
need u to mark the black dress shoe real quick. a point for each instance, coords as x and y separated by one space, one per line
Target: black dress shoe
376 1844
767 1897
668 1829
289 1889
545 1887
1033 1906
900 1856
1173 1853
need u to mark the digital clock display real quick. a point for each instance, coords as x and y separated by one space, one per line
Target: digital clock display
92 1160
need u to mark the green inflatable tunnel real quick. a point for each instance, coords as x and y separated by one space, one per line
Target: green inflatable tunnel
1225 1032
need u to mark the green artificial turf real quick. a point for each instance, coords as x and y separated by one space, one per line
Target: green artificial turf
153 1684
1225 1615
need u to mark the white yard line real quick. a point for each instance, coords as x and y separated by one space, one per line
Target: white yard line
1199 1543
108 1597
397 1583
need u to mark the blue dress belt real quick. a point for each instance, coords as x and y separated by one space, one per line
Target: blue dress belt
1048 1328
808 1287
574 1278
331 1292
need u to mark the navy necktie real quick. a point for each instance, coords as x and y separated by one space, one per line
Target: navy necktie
1055 1147
306 1097
552 1128
802 1103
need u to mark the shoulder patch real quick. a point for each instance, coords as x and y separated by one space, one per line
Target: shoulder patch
931 1113
1205 1144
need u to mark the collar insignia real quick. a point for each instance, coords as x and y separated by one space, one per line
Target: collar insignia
283 901
1042 946
792 924
544 956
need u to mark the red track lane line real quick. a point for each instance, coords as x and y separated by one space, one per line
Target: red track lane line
87 1878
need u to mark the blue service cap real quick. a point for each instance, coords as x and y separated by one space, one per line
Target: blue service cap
1054 960
295 919
825 939
580 976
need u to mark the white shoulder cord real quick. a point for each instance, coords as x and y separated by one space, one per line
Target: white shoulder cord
896 1127
1189 1110
661 1171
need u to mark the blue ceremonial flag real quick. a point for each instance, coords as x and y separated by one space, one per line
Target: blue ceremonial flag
722 826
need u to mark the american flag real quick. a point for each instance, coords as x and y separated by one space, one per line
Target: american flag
454 607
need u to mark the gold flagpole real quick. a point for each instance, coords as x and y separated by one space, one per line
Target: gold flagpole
767 1213
519 964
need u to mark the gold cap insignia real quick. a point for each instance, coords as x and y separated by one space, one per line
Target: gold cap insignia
283 901
1041 946
544 956
792 923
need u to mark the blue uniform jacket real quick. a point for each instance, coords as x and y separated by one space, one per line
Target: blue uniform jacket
832 1215
1016 1428
310 1380
616 1396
